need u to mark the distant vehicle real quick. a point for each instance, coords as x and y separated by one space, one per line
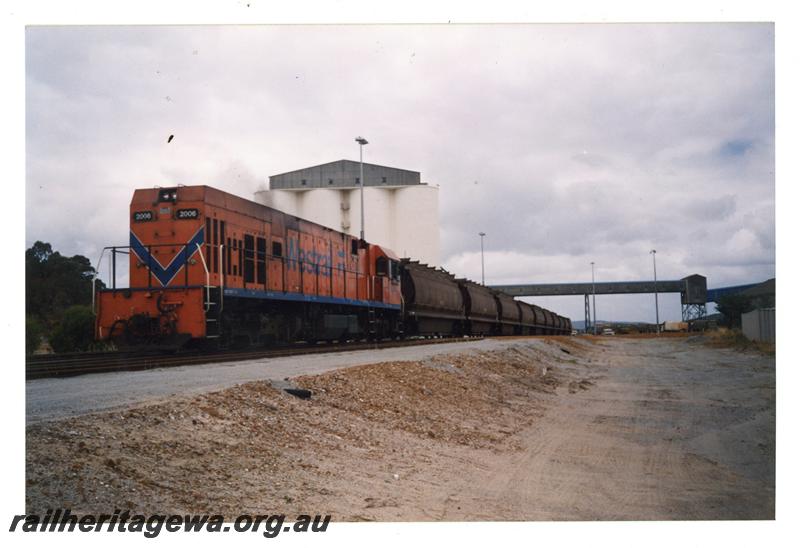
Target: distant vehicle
676 327
574 332
608 331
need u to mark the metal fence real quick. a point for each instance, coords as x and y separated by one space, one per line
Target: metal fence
759 325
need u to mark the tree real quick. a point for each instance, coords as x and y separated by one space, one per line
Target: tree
732 306
58 292
55 283
75 331
33 334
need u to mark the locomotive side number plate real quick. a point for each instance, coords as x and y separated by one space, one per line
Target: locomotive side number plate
142 216
187 214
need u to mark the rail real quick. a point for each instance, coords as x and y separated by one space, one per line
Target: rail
54 365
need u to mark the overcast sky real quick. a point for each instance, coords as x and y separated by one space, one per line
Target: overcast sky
566 144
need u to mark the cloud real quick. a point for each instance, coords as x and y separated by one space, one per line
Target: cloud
736 147
564 143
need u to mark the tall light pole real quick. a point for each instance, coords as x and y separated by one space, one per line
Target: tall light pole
655 289
594 305
361 142
483 280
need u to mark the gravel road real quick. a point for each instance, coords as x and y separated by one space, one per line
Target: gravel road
47 399
671 430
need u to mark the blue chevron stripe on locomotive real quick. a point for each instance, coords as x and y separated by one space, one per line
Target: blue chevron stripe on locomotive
166 274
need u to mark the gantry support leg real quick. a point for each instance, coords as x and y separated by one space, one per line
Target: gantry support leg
587 322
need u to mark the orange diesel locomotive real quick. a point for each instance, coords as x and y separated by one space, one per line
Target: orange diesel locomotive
205 264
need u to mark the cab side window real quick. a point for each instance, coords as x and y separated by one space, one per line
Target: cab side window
249 258
382 266
261 261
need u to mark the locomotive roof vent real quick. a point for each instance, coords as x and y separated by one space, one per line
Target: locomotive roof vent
168 195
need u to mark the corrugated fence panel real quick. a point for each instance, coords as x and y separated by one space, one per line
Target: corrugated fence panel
759 325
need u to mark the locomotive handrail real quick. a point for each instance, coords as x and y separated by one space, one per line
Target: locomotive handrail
305 267
222 278
94 280
208 278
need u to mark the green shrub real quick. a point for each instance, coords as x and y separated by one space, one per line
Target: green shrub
33 334
75 332
732 307
734 338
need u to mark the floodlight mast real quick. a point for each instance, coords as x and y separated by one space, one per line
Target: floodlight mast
483 277
655 290
361 142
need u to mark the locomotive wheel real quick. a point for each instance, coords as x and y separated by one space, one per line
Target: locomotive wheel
166 325
123 324
138 330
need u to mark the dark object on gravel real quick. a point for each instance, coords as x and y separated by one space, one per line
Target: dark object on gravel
298 393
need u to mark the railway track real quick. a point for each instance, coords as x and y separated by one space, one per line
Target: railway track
67 365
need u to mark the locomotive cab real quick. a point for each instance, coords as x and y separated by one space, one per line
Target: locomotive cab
163 304
385 274
165 237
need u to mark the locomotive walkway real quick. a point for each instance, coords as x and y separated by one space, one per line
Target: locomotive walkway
53 398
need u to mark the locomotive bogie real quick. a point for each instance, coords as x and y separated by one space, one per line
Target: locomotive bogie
141 316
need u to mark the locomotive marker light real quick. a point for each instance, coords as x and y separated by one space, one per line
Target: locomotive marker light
361 142
655 289
594 305
482 234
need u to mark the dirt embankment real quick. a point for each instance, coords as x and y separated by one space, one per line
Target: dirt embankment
578 428
367 443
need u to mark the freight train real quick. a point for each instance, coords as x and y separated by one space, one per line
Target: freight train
207 267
